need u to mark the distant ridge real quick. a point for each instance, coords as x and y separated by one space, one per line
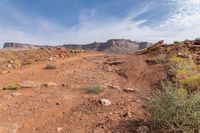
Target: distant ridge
113 46
26 46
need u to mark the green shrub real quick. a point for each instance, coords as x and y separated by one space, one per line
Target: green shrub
193 82
50 66
159 59
94 89
12 86
175 109
181 63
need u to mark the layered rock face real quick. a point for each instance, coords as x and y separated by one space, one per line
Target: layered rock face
114 46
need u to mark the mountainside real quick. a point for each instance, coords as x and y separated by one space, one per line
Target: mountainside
113 46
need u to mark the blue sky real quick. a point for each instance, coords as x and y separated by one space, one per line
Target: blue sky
55 22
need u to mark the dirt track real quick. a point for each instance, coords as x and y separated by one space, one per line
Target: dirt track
66 107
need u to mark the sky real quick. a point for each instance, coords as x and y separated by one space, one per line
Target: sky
55 22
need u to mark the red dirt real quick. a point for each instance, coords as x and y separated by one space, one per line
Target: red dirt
67 108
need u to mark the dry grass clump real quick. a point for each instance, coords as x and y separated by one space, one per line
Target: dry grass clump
12 86
94 89
50 66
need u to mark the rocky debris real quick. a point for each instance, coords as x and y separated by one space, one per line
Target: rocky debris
115 63
127 114
198 60
105 102
112 87
157 46
51 58
193 44
143 129
59 129
188 42
197 41
29 84
182 55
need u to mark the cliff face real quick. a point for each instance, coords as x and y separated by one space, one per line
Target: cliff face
113 46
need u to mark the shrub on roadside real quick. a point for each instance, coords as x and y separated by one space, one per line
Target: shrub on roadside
157 60
175 109
193 82
50 66
93 90
12 86
160 59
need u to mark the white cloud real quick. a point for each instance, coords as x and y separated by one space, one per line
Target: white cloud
182 23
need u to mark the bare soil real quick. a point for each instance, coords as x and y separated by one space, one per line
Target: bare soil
66 107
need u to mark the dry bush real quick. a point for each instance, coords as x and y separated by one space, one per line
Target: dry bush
12 86
50 66
93 89
175 109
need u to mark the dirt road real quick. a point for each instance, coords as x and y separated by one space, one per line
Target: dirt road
66 107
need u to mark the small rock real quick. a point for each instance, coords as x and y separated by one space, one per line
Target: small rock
109 69
9 65
15 94
4 72
143 129
57 103
29 84
138 101
127 114
50 58
105 102
181 55
113 87
50 84
59 129
130 90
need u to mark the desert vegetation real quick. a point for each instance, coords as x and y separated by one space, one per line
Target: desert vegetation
176 105
94 89
50 66
12 86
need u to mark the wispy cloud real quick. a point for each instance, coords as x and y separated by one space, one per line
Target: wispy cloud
181 23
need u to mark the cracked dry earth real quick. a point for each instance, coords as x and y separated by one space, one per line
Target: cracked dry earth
66 107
